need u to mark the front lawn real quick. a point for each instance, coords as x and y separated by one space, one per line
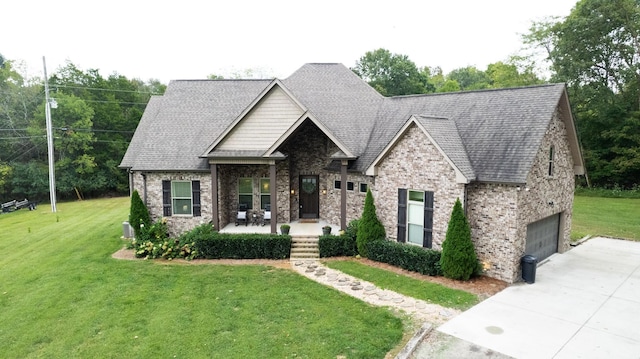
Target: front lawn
63 296
610 217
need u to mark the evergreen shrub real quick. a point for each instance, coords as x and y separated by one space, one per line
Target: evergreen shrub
459 260
370 228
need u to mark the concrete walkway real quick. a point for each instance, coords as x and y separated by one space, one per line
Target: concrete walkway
584 303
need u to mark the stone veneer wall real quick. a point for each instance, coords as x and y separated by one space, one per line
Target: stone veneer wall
180 223
228 176
355 198
499 214
492 211
548 195
309 152
415 163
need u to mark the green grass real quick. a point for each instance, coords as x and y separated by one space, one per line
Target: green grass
427 291
63 296
610 217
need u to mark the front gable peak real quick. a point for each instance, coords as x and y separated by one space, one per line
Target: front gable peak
261 124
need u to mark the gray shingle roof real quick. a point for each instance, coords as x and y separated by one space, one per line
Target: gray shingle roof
445 133
501 129
177 127
498 130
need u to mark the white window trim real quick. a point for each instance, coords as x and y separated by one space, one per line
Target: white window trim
263 193
409 203
174 197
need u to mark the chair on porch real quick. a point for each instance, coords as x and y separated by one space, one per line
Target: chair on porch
267 214
242 214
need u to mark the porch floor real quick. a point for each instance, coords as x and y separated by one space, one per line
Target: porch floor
298 228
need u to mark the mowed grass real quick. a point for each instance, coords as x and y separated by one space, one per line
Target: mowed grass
427 291
63 296
609 217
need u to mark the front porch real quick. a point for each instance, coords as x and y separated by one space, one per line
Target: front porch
301 227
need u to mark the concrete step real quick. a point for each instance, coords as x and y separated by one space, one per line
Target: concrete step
304 247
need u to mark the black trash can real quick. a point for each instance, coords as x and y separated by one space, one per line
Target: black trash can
529 264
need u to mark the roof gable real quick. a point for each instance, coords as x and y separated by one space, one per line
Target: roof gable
263 123
443 134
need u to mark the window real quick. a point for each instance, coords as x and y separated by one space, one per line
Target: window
245 192
350 186
363 188
551 154
265 193
415 217
337 184
181 198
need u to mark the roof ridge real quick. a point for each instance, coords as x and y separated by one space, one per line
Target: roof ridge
220 80
553 84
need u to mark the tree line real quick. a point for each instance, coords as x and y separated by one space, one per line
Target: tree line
93 120
595 51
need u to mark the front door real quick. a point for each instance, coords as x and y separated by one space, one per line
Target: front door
309 197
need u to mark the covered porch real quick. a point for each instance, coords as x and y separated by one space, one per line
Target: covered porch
301 227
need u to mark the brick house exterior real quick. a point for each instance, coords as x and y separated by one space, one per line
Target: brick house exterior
311 145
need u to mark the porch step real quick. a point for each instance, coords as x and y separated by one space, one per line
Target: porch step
304 247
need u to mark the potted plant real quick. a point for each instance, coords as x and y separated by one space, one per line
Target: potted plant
284 229
326 230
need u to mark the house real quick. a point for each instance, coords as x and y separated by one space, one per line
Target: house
312 144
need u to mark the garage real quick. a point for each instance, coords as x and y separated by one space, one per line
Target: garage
542 237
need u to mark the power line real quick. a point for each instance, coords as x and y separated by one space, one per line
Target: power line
89 130
20 138
103 89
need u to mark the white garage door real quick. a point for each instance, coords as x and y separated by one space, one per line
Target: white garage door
542 237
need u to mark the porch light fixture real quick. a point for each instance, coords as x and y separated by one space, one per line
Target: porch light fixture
293 192
324 191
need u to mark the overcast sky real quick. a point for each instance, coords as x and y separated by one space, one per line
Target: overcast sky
194 38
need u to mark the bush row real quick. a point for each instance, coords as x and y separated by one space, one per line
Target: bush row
412 258
337 246
204 242
243 246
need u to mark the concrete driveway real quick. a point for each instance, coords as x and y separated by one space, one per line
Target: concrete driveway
585 303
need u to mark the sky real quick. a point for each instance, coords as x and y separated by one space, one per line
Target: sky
191 39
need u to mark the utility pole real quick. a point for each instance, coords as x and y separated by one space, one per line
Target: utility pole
47 110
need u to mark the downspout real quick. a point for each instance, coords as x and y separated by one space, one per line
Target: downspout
144 187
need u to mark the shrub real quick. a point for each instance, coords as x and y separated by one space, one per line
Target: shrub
409 257
242 246
337 246
459 259
138 214
352 229
369 228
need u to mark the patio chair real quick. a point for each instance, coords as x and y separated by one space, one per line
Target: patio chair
267 214
242 214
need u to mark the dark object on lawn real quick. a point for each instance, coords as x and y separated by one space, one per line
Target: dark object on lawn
26 204
9 206
15 205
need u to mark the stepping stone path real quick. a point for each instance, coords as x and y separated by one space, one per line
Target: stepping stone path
368 292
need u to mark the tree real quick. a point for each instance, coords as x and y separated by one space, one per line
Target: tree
392 74
469 78
138 214
595 50
458 258
369 227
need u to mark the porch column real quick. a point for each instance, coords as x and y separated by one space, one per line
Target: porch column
274 197
343 195
214 197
